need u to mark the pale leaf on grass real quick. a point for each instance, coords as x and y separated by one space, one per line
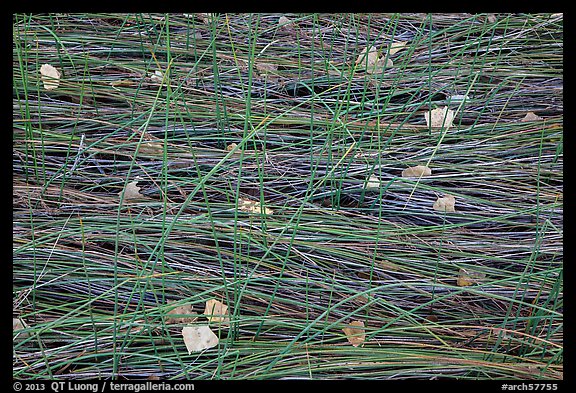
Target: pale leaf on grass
18 324
152 148
285 22
396 46
380 65
531 116
355 333
373 183
50 77
157 76
439 117
216 311
198 338
249 206
468 277
368 57
417 171
180 314
131 192
445 204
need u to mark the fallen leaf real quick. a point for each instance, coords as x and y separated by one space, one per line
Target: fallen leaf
373 183
355 333
180 314
417 171
50 77
387 265
132 191
249 206
198 338
284 21
531 116
206 17
439 117
396 46
468 277
157 76
445 203
18 324
216 311
368 57
380 66
491 18
122 82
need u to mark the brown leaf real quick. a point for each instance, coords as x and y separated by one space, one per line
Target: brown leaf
467 277
417 171
216 311
198 338
445 203
179 314
439 117
50 77
355 333
531 116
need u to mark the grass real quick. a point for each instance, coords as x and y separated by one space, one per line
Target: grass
206 112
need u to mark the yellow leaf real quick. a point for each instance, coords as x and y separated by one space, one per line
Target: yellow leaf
180 313
355 333
531 116
417 171
50 77
249 206
445 203
216 311
198 338
396 46
467 277
439 117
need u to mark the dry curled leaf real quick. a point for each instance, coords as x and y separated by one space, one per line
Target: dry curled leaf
368 57
249 206
216 311
373 183
231 146
132 191
396 46
18 324
531 116
50 77
417 171
439 117
355 333
445 204
284 22
198 338
467 277
180 314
